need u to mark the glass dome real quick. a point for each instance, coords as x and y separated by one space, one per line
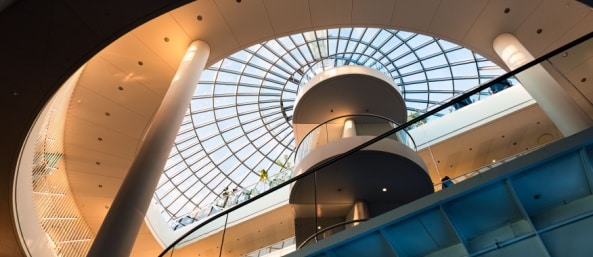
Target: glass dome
239 120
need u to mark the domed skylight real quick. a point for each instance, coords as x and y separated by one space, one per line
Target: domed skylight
239 121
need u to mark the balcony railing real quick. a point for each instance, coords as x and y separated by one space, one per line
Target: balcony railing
364 125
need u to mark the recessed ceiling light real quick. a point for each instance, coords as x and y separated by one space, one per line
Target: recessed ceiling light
107 114
98 163
166 39
120 88
100 138
200 17
384 189
583 80
539 31
140 63
507 10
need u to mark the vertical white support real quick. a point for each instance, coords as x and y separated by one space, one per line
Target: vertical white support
545 90
349 129
118 231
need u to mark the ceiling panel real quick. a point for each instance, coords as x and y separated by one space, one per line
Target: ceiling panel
85 160
212 28
248 20
577 57
163 36
146 244
102 78
578 30
132 57
453 20
288 15
94 213
376 12
93 185
495 15
581 83
545 17
329 13
102 111
406 15
522 131
102 139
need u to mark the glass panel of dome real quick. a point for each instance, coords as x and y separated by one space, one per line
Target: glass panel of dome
245 152
226 89
198 198
164 189
187 183
240 56
229 164
200 104
247 99
228 124
187 143
220 153
275 47
253 160
232 64
207 131
170 197
465 70
224 113
207 75
459 55
181 177
218 179
186 208
446 45
266 55
250 80
193 188
444 72
202 169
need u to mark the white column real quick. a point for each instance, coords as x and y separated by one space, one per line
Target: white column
349 129
118 231
568 117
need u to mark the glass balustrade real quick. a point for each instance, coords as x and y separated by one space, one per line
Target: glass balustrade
457 145
348 126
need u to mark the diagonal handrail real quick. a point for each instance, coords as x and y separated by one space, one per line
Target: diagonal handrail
406 124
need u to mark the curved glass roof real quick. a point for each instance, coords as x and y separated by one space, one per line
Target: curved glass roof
239 120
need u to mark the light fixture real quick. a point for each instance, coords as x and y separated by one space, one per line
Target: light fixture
384 189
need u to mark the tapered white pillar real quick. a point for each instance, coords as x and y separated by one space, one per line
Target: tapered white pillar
121 225
568 117
349 129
